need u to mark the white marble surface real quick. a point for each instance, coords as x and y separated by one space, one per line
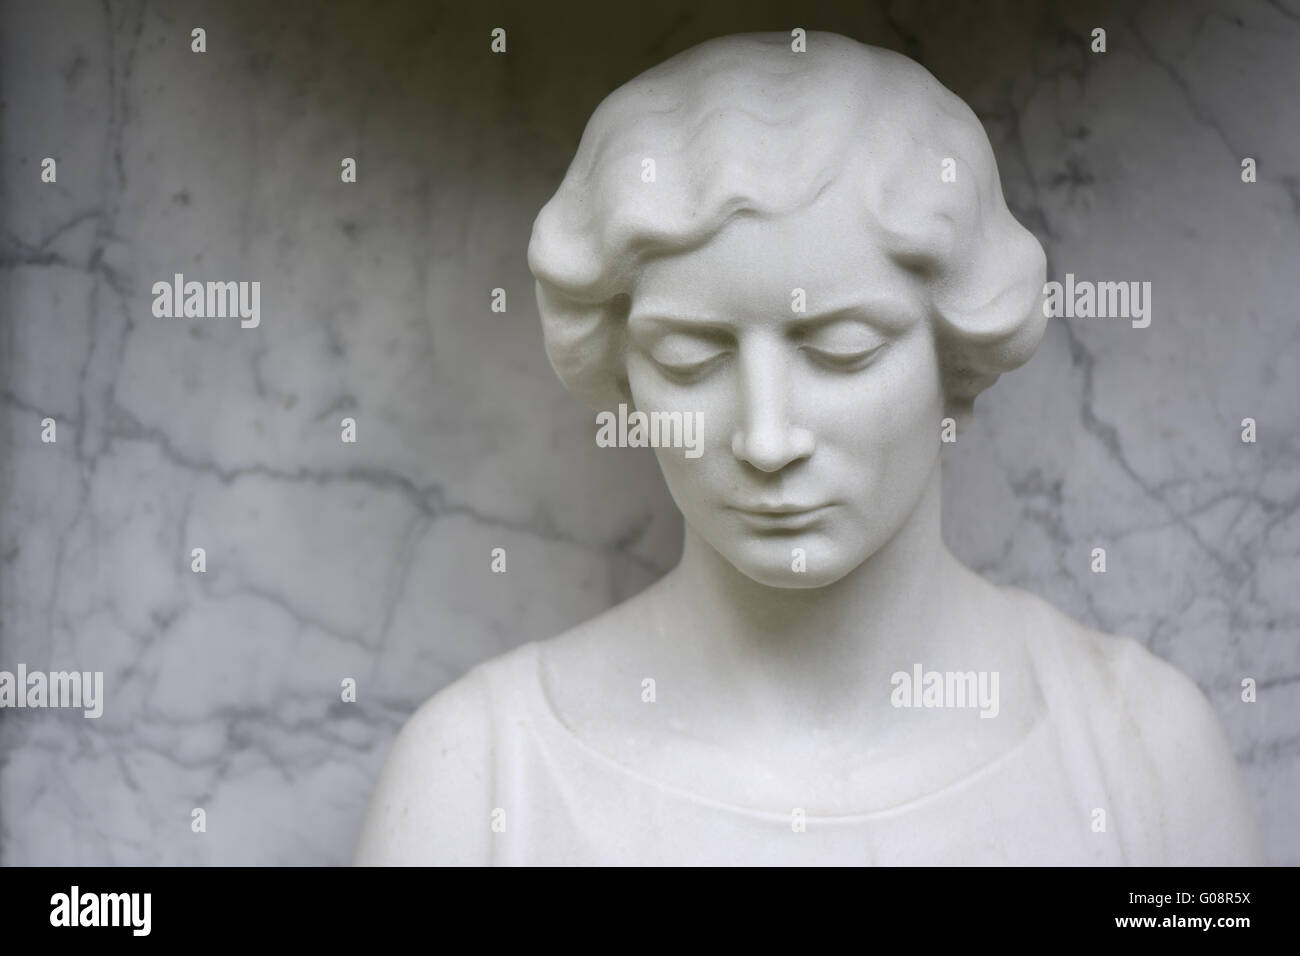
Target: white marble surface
370 561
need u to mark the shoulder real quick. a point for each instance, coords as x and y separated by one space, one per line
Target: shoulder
1159 738
432 803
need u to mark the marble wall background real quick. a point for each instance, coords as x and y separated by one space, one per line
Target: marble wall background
328 560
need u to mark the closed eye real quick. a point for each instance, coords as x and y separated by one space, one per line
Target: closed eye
843 361
686 358
842 346
686 373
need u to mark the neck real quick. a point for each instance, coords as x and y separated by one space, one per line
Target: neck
815 649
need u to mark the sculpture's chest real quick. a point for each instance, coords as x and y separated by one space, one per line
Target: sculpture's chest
567 805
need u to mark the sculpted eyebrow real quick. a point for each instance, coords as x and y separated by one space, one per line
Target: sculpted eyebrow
890 317
710 328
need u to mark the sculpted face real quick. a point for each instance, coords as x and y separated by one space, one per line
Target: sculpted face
820 428
818 172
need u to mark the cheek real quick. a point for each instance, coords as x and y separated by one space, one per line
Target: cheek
888 420
649 390
917 404
686 477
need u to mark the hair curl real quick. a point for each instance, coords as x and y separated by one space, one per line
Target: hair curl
743 125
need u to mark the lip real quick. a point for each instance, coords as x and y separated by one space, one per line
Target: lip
777 510
784 516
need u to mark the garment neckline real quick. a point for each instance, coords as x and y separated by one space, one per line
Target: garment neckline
530 677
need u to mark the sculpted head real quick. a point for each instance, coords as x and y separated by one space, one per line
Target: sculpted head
804 268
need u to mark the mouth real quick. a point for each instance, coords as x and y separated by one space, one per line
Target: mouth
782 517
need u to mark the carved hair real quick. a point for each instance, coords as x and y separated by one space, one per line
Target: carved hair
742 125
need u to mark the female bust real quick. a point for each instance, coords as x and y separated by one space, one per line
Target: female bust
810 251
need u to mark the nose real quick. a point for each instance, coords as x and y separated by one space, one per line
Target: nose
765 436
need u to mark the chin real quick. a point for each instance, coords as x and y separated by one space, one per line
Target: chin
771 562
